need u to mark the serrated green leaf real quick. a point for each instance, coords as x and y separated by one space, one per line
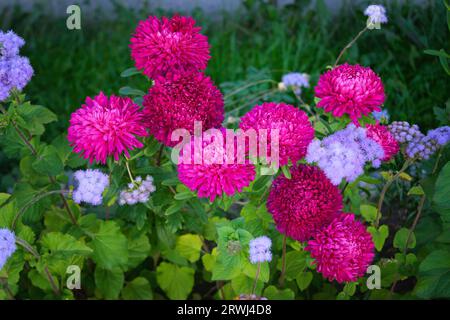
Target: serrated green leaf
109 282
138 289
189 246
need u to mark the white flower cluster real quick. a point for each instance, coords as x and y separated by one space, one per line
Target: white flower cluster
260 249
139 191
90 185
376 14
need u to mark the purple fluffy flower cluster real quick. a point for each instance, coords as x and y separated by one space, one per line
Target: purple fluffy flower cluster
90 186
15 70
418 145
344 154
403 132
139 191
260 249
296 81
7 245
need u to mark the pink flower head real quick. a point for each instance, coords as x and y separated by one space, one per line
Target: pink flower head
105 127
353 90
164 45
178 101
212 169
343 250
384 138
295 130
303 204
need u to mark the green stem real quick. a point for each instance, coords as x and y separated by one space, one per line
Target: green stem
349 45
385 189
128 169
247 86
258 270
35 153
48 274
30 203
283 262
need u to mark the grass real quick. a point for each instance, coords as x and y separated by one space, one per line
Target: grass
71 65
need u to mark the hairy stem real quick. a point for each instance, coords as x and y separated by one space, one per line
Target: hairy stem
283 262
48 274
129 171
349 45
258 271
385 189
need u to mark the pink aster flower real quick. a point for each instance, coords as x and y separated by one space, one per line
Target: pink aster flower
343 250
164 45
295 130
105 127
352 90
384 138
303 204
178 101
211 169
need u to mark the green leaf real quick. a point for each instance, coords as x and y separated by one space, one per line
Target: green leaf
434 276
379 236
184 195
109 282
304 279
416 191
138 250
110 246
286 172
48 162
138 289
369 212
401 237
244 284
295 263
35 117
64 245
189 246
129 72
273 293
128 91
177 282
441 193
4 197
261 182
350 288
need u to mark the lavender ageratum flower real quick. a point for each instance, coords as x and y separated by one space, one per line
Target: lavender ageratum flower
376 14
139 191
7 245
90 185
441 135
344 154
382 116
421 148
15 73
10 44
260 249
404 132
296 81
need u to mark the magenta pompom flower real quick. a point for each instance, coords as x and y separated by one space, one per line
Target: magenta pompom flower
295 130
164 45
303 204
384 138
342 250
178 101
105 127
212 170
350 89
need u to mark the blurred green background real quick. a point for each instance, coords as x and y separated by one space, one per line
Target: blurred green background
259 38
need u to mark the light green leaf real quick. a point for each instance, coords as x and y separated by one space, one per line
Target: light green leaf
177 282
273 293
401 237
189 246
138 289
379 236
369 212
